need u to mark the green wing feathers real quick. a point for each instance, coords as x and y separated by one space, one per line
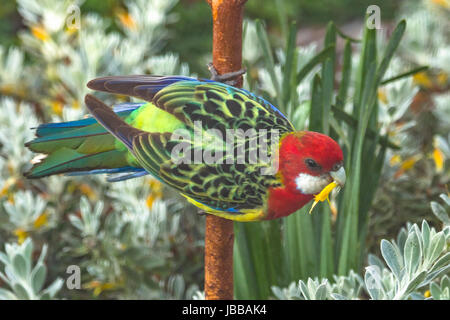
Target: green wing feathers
77 146
65 160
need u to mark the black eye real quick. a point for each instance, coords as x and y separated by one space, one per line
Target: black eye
312 164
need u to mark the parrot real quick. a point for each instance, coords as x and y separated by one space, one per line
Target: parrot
157 136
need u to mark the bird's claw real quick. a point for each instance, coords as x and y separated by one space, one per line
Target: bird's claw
230 78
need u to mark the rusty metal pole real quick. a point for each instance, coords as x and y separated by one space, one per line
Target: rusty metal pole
219 235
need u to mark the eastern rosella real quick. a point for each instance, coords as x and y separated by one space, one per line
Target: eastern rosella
135 139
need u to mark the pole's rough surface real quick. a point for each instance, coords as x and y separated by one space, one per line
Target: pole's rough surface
219 234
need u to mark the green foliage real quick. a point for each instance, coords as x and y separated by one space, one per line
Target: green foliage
415 260
441 291
120 235
418 172
24 280
439 210
320 11
315 245
341 288
417 257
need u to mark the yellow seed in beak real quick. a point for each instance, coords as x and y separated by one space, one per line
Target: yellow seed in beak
323 195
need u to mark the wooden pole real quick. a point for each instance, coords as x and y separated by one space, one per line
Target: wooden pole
219 234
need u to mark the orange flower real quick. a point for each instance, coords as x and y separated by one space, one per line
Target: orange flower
126 20
40 33
88 191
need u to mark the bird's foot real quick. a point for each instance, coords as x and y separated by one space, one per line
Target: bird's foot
230 78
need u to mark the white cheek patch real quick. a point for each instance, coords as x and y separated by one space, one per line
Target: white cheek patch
308 184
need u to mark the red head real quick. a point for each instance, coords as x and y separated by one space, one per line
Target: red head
308 161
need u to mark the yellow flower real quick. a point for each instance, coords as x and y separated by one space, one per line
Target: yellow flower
40 33
323 195
150 199
156 192
57 107
438 158
41 221
407 164
99 287
126 20
10 182
423 79
21 234
427 294
4 191
382 96
396 159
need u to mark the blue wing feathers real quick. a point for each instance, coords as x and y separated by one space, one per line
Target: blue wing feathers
56 128
135 173
123 177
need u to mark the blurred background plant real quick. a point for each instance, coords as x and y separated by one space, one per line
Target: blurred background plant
364 92
411 265
120 235
137 239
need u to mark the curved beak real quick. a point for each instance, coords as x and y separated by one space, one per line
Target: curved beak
339 176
